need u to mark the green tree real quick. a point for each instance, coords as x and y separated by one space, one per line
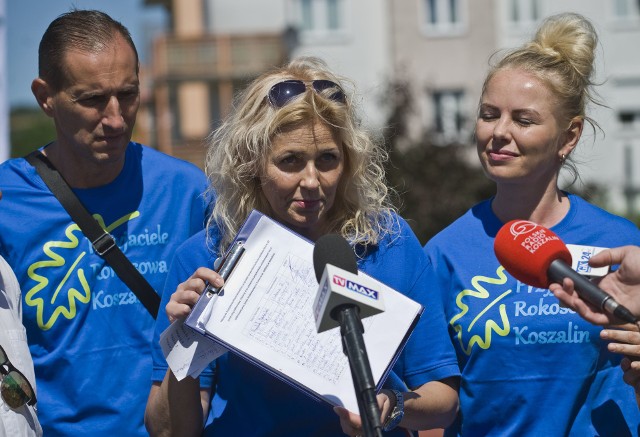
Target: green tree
435 184
29 128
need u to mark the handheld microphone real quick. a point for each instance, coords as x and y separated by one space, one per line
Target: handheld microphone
341 300
337 273
536 256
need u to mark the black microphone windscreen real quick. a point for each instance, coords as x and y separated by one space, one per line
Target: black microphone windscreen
335 250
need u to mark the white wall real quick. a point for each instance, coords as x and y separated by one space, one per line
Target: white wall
362 52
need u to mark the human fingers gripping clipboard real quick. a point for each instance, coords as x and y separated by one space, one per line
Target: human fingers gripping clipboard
188 351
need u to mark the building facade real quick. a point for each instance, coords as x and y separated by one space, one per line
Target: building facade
441 48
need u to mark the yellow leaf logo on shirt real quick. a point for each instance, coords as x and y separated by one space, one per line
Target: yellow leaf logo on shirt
501 327
65 299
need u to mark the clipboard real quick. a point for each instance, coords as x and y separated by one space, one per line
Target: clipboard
264 314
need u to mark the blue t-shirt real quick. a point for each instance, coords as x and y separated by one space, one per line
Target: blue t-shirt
250 402
88 333
529 366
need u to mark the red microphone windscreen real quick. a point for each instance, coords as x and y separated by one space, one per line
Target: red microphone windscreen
526 250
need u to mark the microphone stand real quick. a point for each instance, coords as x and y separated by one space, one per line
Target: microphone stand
354 348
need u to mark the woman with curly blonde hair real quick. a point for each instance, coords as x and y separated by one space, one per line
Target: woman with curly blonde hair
293 149
239 150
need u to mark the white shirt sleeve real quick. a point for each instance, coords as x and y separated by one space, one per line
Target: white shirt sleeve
13 338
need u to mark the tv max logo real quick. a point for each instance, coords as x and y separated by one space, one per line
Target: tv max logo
349 285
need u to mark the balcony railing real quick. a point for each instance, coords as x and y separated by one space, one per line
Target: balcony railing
217 57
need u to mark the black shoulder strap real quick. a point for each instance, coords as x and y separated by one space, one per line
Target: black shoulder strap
103 243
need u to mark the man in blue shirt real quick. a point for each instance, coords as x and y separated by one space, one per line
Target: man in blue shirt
89 334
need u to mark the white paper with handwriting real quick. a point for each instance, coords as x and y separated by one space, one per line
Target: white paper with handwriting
265 315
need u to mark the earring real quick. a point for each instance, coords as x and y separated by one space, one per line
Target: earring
563 158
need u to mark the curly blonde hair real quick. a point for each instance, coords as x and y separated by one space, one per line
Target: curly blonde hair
238 149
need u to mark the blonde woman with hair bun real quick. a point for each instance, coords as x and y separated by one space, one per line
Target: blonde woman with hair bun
529 366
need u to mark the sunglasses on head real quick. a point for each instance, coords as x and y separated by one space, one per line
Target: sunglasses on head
281 93
15 389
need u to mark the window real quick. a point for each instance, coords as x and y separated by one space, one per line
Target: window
333 16
306 7
524 12
630 119
321 16
449 120
443 17
626 9
624 14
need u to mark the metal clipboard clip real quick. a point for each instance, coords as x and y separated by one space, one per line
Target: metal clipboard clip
227 264
223 266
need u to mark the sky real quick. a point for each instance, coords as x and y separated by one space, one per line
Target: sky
28 19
